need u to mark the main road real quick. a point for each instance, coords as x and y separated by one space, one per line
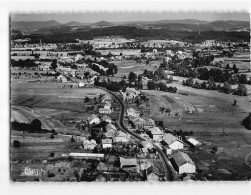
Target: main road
169 173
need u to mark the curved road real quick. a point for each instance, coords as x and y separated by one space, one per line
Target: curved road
168 171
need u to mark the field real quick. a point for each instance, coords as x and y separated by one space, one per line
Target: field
127 66
214 122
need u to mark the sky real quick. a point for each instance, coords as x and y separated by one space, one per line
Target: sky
89 17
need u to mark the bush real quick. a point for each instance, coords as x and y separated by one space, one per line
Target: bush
16 144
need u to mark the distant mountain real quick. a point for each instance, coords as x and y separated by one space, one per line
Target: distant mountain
73 23
177 25
103 23
34 24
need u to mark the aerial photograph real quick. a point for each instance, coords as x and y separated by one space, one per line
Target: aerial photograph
129 97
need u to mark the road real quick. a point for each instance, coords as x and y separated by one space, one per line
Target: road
169 174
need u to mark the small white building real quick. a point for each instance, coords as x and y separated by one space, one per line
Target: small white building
173 142
157 133
193 142
182 163
153 174
106 143
110 126
105 110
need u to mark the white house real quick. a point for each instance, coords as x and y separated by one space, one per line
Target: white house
93 119
173 142
182 163
81 84
194 142
156 132
132 112
106 143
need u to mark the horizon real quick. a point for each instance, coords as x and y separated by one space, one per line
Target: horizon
116 17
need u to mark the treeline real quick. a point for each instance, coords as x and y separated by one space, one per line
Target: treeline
211 85
138 33
111 68
23 63
34 127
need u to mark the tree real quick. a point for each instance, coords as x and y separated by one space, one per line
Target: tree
16 144
132 77
235 69
151 85
36 125
54 64
87 99
52 136
243 79
227 88
241 90
247 122
235 102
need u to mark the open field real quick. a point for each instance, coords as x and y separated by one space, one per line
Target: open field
214 122
127 66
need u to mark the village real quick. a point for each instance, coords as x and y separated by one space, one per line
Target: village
88 111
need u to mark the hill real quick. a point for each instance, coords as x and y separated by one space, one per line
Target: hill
73 23
103 23
34 24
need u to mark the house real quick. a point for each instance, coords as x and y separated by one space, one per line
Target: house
89 144
146 144
106 143
182 163
156 132
111 133
149 122
105 167
121 137
194 143
139 122
173 142
93 119
81 84
106 119
61 78
110 126
105 110
128 162
153 174
132 112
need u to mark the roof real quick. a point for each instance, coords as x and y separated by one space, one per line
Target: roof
110 126
146 118
138 120
182 158
104 118
106 141
127 161
87 142
193 141
155 130
169 139
146 144
86 154
93 116
154 170
132 110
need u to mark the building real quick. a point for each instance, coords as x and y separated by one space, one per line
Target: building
110 126
106 119
182 163
132 112
111 133
153 174
93 119
139 122
89 144
149 122
121 137
128 162
106 143
157 133
86 155
105 110
193 143
173 142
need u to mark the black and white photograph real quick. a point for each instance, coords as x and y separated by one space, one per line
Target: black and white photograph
129 96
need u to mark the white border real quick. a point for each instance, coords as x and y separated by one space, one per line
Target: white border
7 187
